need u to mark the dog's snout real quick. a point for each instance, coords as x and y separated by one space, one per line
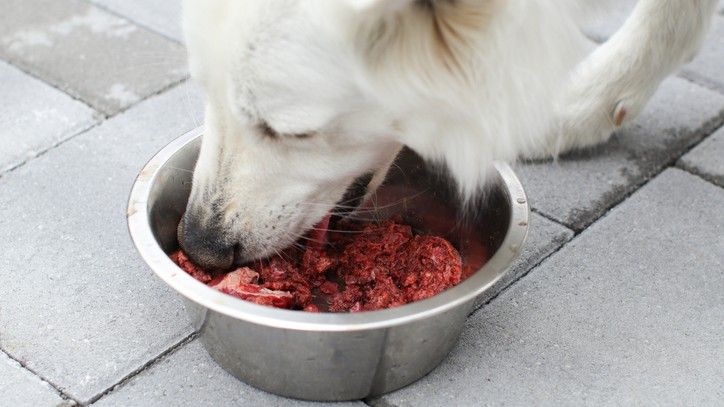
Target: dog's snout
205 244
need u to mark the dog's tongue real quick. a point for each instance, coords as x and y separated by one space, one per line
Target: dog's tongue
318 235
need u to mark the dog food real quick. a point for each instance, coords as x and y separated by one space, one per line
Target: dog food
368 267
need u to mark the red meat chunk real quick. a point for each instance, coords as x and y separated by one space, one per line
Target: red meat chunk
372 252
180 258
241 283
329 287
242 275
427 265
348 300
260 295
374 266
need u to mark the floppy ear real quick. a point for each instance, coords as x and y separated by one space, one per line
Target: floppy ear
379 5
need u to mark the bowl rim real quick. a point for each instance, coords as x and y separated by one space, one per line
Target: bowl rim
143 238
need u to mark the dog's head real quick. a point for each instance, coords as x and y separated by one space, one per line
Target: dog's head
306 103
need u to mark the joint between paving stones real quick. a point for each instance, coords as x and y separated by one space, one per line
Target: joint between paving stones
165 89
707 130
57 389
41 153
152 362
378 402
550 218
130 20
75 97
703 177
102 116
701 80
526 272
551 254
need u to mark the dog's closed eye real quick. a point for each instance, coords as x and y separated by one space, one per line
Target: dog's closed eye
269 132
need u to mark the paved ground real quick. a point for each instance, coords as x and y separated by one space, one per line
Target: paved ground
617 299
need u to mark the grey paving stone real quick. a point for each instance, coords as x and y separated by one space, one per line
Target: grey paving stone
189 377
79 306
102 59
708 66
628 313
580 187
707 159
609 21
20 387
162 16
34 117
544 237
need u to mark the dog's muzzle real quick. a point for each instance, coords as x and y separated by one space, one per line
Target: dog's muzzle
205 244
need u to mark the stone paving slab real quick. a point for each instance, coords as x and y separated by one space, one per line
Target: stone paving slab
19 387
34 117
106 61
580 187
628 313
707 159
708 66
79 306
189 377
162 16
544 238
602 28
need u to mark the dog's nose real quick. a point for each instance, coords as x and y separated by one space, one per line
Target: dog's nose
205 245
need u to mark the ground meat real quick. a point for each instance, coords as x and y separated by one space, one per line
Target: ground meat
196 272
373 266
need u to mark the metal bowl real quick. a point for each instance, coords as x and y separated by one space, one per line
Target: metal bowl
328 356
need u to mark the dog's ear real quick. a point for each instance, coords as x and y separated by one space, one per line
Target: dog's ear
379 5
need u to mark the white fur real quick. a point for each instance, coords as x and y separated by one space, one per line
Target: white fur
363 77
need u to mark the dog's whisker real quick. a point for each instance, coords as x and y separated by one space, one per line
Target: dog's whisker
179 169
340 204
281 254
187 99
309 239
325 204
336 230
143 67
373 200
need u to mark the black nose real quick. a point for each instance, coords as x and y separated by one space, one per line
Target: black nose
205 244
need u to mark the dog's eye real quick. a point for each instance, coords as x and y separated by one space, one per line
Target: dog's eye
266 130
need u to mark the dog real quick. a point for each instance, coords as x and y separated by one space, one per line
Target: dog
305 99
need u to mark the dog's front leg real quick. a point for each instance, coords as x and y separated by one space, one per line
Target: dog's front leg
614 83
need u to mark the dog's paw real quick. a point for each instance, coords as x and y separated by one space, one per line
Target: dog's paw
606 91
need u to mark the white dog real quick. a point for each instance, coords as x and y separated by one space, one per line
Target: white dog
305 96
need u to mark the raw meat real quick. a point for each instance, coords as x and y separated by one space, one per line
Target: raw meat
371 267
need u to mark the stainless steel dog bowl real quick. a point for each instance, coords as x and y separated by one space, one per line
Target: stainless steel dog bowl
326 356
